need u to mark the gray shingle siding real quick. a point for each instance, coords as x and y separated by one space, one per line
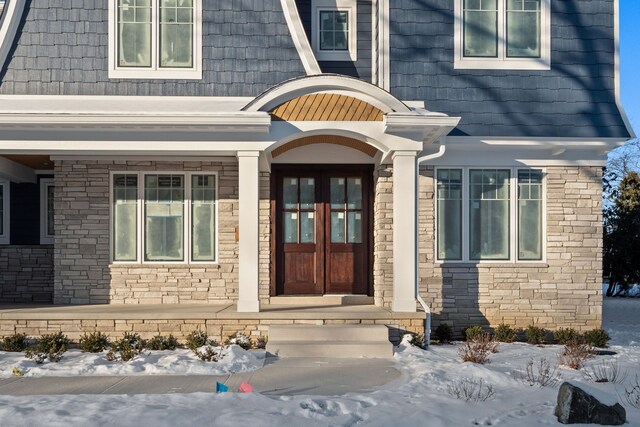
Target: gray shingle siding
574 99
361 68
62 49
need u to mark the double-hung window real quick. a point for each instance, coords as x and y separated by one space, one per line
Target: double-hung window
4 212
489 214
47 228
502 34
155 39
164 217
334 30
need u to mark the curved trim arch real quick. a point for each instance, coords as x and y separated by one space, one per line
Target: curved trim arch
327 83
9 23
329 132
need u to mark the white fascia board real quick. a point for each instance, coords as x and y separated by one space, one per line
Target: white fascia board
138 148
107 104
16 172
299 36
430 127
230 122
602 144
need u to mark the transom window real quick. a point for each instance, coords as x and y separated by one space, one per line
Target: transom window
333 30
506 34
164 217
155 39
489 214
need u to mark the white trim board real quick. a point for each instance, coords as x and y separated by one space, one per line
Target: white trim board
5 237
45 237
299 36
9 24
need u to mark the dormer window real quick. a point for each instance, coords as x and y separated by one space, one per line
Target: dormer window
155 39
502 34
333 29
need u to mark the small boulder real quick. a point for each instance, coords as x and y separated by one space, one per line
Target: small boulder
578 406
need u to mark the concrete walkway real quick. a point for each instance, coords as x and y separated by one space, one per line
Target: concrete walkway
291 376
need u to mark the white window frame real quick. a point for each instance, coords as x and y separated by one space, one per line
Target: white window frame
155 71
502 62
45 237
6 207
140 218
349 6
513 217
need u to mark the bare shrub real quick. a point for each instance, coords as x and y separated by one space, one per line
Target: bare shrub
541 374
605 372
477 350
575 354
471 389
632 393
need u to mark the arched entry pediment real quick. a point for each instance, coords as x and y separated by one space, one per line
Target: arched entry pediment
348 87
327 107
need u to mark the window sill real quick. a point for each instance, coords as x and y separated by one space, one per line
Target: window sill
492 264
502 64
163 265
162 74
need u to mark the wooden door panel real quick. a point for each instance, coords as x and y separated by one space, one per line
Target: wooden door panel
342 267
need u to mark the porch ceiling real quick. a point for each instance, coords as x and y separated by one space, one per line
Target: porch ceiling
35 162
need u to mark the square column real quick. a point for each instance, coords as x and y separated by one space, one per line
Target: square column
404 231
248 177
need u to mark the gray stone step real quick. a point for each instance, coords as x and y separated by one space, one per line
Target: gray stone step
332 349
334 341
328 333
324 300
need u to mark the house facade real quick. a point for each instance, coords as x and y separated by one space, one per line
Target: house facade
439 155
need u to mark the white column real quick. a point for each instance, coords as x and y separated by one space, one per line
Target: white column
404 231
249 177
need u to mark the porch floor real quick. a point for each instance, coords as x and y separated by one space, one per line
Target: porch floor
198 312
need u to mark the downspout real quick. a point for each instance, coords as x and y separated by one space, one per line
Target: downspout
423 303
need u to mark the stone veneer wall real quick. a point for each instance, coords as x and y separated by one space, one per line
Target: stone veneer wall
383 236
565 291
216 328
83 272
26 273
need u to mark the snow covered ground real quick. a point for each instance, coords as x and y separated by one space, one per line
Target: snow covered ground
422 399
178 362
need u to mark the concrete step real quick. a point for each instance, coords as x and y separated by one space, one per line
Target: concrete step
323 300
328 333
332 349
335 341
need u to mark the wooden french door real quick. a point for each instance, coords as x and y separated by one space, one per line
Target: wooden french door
322 229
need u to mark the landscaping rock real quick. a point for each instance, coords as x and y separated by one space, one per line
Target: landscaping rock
575 405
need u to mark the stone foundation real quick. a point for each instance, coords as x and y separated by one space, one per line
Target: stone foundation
26 274
218 329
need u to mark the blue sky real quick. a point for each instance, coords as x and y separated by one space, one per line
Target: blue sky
630 60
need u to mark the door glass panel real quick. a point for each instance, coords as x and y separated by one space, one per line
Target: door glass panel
337 193
354 193
291 227
337 227
355 227
290 193
307 227
307 193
